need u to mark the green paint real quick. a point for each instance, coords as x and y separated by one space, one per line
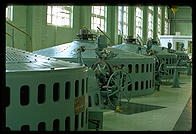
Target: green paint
145 23
131 20
155 22
184 27
32 19
162 20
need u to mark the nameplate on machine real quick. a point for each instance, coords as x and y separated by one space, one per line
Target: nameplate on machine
79 104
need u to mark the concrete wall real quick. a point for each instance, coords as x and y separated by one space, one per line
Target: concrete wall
183 22
32 19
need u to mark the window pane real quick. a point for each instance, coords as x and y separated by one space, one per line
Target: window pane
49 19
98 20
138 15
123 11
9 13
59 15
102 13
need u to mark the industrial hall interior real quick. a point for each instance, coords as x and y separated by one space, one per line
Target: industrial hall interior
98 67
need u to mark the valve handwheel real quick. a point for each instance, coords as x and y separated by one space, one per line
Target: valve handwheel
162 70
103 71
117 87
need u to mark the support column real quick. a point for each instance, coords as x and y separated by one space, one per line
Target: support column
85 16
155 22
145 23
29 26
131 20
110 20
162 20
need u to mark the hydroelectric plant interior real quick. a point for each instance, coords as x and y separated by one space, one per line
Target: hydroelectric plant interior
98 68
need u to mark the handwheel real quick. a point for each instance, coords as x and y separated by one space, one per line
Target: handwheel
162 69
102 66
157 62
102 72
117 86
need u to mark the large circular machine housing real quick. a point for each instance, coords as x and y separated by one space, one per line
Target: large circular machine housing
139 67
43 93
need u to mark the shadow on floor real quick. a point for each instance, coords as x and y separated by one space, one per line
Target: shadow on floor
133 108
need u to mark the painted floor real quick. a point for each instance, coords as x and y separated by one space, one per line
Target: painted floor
175 111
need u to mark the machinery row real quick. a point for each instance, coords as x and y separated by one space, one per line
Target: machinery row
66 87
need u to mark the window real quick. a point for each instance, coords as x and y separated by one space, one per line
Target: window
9 13
150 8
139 20
150 21
123 20
166 21
159 21
98 18
60 15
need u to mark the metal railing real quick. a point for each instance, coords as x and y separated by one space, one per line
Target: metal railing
31 47
11 37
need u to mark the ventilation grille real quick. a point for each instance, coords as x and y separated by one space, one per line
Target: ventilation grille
15 55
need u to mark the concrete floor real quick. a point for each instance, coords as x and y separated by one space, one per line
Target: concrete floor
165 119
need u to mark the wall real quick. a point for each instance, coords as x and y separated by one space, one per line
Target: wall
183 23
32 19
20 38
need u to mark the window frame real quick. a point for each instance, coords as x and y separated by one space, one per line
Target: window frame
67 10
9 13
141 20
159 21
150 29
100 17
166 21
125 23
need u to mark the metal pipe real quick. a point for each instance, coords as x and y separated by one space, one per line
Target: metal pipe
111 42
31 47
